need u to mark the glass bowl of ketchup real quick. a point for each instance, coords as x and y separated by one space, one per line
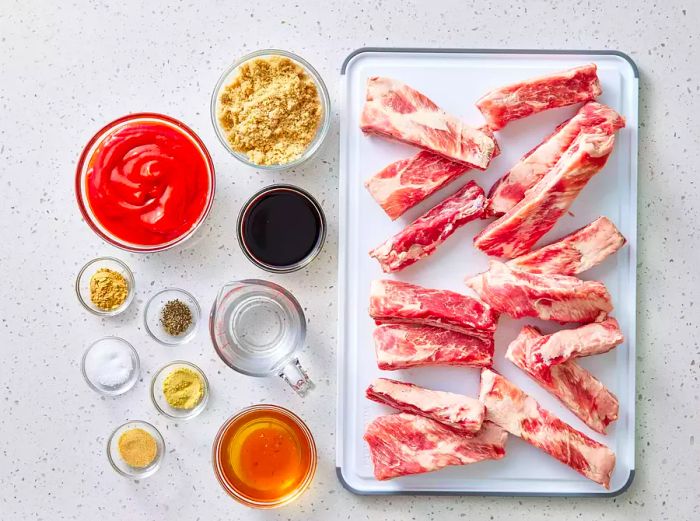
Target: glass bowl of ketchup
145 183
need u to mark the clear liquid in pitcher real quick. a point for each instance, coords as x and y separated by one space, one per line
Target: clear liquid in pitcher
257 326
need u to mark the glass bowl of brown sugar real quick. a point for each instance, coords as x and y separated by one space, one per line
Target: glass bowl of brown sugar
271 110
105 286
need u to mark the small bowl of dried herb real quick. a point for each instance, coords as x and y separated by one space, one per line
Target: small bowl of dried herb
105 286
172 316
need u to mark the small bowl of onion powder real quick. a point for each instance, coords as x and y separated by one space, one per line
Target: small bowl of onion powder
271 110
171 316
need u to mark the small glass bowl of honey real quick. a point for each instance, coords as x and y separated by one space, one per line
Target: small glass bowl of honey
264 456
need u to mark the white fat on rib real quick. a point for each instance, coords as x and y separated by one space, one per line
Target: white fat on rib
451 407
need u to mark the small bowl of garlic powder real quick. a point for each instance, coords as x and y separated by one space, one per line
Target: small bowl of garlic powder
271 110
136 449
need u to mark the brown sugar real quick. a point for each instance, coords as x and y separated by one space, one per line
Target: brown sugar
270 111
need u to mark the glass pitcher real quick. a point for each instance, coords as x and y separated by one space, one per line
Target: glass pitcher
257 327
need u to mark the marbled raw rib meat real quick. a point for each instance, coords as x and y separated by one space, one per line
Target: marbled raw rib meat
392 301
518 100
561 298
577 252
400 346
574 386
395 110
516 232
510 189
422 237
591 339
405 183
403 444
519 414
459 412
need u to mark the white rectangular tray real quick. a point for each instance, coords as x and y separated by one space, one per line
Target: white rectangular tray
455 79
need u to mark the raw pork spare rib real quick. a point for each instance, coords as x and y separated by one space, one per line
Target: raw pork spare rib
395 110
402 444
573 385
591 339
516 232
519 414
405 183
392 301
577 252
422 237
518 100
510 189
456 411
549 297
400 346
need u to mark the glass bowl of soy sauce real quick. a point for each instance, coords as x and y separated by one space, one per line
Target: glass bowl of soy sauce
281 228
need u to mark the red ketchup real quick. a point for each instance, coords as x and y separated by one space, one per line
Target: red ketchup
148 182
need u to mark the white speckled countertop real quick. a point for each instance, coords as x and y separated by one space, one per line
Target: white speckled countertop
69 68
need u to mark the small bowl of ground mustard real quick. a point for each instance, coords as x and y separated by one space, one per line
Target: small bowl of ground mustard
105 286
136 449
271 110
180 390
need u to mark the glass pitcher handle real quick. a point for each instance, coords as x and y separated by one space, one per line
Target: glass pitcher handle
297 378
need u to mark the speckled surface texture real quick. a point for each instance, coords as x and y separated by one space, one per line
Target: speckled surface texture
67 69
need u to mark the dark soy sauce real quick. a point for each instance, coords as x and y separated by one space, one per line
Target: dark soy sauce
281 228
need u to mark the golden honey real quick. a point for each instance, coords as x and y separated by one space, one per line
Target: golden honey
264 456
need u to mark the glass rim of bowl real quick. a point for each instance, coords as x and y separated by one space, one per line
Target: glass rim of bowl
197 409
130 280
197 317
323 127
320 242
244 500
81 172
134 357
150 469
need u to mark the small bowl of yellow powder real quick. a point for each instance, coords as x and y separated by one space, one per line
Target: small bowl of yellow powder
136 449
271 110
105 286
180 390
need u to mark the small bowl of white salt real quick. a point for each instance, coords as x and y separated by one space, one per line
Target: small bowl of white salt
110 366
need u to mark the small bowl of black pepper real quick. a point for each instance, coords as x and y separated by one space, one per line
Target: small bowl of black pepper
172 316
